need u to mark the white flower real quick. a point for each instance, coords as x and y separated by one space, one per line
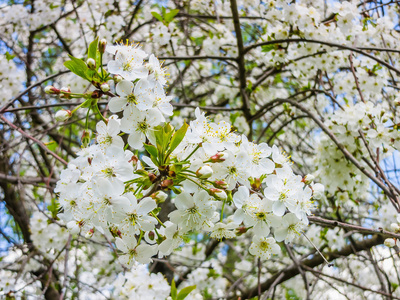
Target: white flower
139 96
157 73
107 135
263 247
139 124
172 241
161 35
136 216
133 252
221 231
128 62
291 226
192 212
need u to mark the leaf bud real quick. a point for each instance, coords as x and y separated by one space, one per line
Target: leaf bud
91 63
96 94
63 115
204 172
152 177
167 183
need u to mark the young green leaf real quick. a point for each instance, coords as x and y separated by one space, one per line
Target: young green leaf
184 292
157 16
152 151
178 137
93 49
77 66
170 16
173 290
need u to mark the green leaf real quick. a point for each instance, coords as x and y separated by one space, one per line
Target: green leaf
267 48
185 291
157 16
170 16
173 290
93 49
178 137
77 66
153 153
9 56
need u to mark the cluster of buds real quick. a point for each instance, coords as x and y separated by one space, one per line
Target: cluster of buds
392 242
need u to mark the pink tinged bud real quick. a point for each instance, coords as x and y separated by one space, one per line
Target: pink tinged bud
220 184
63 115
159 196
65 90
218 194
102 45
219 157
204 172
105 87
91 63
90 233
390 243
51 90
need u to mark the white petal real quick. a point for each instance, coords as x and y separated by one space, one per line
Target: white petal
124 88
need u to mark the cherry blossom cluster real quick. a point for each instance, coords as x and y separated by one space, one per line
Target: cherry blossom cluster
356 127
224 185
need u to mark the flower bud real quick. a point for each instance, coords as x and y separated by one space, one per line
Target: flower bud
218 194
117 78
159 196
65 90
91 63
105 87
90 233
85 139
204 172
219 157
102 45
390 243
63 115
395 227
51 90
308 179
220 184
